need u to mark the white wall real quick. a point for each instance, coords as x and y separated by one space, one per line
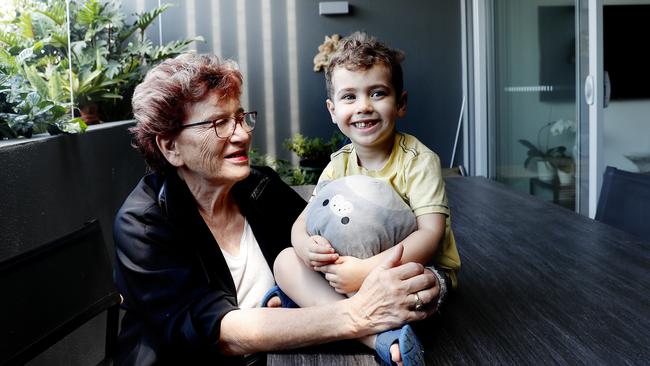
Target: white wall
626 123
626 130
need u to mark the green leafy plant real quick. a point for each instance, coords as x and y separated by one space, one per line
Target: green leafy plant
24 111
108 58
313 151
291 175
314 154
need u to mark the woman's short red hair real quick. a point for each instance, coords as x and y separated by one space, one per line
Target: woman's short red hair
159 102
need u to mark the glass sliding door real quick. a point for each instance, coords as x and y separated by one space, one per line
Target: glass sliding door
534 122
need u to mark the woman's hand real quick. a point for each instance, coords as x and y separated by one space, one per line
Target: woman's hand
387 298
346 274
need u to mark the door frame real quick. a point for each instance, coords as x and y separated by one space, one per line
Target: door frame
596 104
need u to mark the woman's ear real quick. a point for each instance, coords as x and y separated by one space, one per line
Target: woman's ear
169 149
401 104
330 108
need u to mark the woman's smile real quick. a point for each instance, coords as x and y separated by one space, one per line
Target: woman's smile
237 157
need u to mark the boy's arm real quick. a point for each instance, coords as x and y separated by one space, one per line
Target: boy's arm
314 250
347 274
422 244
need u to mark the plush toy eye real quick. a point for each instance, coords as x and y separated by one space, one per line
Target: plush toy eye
326 202
345 220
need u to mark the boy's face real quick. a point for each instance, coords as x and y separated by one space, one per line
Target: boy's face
364 105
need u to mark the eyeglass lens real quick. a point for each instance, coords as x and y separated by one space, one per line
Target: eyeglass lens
225 128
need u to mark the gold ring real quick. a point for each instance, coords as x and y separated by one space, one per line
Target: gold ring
418 302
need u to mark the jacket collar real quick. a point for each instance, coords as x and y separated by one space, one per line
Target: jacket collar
175 199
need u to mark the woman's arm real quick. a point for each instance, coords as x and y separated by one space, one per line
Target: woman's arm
347 273
384 301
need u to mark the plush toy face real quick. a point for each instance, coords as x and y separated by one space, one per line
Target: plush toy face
359 215
340 207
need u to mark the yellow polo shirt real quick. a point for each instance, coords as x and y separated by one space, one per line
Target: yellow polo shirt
413 170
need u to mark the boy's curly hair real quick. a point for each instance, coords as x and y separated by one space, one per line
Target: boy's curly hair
360 51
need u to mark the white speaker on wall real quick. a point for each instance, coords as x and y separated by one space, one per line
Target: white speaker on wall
333 7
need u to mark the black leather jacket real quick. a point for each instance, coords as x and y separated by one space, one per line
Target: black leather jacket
175 281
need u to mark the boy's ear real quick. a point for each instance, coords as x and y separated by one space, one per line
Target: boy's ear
330 108
169 149
401 104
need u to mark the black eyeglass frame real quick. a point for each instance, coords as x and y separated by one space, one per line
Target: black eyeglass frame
239 118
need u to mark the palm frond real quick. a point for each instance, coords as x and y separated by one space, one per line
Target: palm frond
89 13
173 48
145 19
36 80
25 25
9 39
56 13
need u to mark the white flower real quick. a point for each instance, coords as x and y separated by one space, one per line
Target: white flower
563 125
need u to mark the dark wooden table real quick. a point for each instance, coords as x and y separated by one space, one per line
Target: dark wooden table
539 285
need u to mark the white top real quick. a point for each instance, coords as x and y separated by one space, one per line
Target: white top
249 270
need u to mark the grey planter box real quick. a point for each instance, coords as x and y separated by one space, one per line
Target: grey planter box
51 185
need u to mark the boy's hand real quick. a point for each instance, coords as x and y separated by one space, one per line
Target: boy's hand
345 275
320 252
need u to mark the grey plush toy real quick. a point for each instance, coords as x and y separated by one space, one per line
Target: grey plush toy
359 215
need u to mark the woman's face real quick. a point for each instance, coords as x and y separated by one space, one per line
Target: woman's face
205 157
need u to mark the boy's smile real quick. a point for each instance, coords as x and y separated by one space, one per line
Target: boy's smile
365 107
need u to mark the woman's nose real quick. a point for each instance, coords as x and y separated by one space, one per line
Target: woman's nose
240 134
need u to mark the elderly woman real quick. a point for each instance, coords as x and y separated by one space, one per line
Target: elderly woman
196 238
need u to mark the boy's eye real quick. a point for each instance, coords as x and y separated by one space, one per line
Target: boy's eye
347 97
378 94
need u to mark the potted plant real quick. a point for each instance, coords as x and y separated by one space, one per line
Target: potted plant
552 162
108 58
565 169
290 175
546 159
314 152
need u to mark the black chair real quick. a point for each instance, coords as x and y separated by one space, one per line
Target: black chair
52 290
625 201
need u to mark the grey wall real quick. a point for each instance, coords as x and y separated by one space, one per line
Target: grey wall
52 186
289 95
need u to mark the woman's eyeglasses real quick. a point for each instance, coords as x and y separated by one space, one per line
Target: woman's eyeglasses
225 127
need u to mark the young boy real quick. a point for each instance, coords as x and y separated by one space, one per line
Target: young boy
365 88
